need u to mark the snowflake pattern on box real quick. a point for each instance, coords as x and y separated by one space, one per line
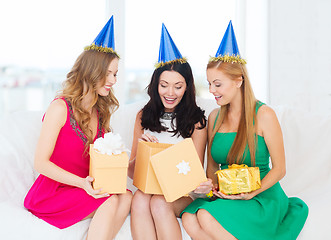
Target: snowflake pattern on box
183 167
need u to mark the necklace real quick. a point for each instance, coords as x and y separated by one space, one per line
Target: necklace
168 115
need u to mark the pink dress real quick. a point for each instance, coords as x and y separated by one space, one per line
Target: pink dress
59 204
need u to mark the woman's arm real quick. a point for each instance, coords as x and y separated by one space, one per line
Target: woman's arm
199 138
137 133
269 128
54 120
272 133
212 166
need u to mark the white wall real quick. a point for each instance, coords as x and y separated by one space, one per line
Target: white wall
300 54
117 8
255 40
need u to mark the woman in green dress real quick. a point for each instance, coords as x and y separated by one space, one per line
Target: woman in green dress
242 131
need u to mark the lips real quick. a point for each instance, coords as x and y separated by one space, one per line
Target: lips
107 87
169 100
218 97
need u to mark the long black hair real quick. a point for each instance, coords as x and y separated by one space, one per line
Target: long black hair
187 113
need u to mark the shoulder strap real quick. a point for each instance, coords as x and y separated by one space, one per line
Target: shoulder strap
218 113
258 105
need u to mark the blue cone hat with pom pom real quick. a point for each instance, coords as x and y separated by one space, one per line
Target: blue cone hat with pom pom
104 42
228 50
168 52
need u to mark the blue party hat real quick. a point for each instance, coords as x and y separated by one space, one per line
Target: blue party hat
228 50
104 42
168 52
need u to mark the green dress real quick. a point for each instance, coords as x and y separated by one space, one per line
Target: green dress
269 215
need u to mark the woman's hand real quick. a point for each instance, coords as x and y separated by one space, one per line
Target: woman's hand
241 196
87 186
148 138
204 187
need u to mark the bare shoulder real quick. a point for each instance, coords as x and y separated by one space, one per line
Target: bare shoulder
137 124
266 114
139 114
212 115
211 120
267 119
57 112
138 118
198 126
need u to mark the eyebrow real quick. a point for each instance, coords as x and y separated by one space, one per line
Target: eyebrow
175 83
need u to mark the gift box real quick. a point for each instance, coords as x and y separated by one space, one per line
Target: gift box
238 179
144 177
109 164
178 169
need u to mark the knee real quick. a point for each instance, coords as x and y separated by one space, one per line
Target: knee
188 220
204 218
112 200
140 202
110 204
159 206
190 223
125 199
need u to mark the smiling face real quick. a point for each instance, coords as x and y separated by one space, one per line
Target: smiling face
104 87
222 86
171 89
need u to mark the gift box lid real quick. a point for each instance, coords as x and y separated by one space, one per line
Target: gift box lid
153 146
178 169
104 160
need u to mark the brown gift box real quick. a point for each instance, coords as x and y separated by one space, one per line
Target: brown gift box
144 177
178 169
109 171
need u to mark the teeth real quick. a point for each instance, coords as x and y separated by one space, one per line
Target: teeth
107 87
169 99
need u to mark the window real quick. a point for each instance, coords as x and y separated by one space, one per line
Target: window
197 28
40 40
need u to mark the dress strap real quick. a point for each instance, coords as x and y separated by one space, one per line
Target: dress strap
218 113
258 105
74 123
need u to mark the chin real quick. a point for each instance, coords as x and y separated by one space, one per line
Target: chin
168 107
103 94
220 103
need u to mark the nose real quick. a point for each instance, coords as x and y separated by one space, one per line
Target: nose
170 91
111 79
211 89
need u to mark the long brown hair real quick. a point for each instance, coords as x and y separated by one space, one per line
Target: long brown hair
246 130
88 71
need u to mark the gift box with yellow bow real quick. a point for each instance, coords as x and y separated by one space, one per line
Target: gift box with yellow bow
238 179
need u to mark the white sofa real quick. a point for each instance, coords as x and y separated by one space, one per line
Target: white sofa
308 156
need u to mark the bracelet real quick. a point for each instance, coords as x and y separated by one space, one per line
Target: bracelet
210 194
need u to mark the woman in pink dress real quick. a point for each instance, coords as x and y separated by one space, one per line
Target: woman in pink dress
62 195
